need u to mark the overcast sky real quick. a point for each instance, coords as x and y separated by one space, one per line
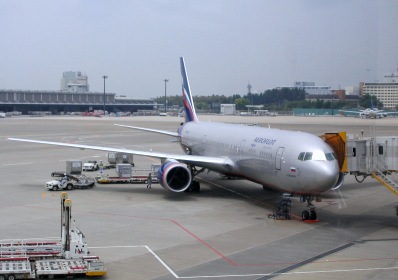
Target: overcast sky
226 44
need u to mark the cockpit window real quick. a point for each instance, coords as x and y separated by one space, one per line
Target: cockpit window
330 156
316 155
308 156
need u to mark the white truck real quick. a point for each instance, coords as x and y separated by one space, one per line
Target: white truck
91 165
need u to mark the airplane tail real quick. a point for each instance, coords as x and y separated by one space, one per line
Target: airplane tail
189 107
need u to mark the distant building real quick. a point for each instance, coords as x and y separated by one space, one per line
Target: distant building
74 82
312 89
58 102
228 109
352 90
386 91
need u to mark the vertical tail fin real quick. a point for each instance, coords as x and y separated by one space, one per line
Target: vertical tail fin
189 108
371 104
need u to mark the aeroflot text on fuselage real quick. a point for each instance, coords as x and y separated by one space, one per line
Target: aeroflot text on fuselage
265 141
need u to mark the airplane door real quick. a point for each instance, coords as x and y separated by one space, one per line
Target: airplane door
381 154
278 158
241 148
204 143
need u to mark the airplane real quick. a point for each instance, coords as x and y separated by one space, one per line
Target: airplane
296 163
370 113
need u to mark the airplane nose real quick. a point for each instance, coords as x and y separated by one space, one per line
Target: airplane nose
329 175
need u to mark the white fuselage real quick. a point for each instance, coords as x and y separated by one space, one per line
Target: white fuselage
271 157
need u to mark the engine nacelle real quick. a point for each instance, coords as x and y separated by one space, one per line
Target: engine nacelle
174 176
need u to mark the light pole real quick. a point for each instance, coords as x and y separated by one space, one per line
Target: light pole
104 77
165 99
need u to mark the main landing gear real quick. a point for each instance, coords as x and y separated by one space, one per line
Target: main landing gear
310 214
195 185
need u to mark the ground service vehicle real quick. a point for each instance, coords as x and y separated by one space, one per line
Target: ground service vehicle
72 182
90 165
50 258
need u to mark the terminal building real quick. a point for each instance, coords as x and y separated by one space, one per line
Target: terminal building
74 96
59 102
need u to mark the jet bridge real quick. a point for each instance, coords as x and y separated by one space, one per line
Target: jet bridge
366 156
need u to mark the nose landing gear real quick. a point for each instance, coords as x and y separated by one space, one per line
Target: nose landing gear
310 214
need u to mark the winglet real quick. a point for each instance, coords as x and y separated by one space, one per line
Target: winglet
189 108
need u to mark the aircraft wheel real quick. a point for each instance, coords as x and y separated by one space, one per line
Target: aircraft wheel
312 215
195 186
11 277
2 277
305 215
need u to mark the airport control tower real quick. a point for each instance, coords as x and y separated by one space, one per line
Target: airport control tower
74 82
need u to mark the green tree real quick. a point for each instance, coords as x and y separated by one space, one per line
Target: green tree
366 101
241 103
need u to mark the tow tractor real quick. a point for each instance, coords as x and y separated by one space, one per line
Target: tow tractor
70 182
50 258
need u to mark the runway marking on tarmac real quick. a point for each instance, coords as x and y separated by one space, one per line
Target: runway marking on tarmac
19 163
294 265
272 274
149 250
291 273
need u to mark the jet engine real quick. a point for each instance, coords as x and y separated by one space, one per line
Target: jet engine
174 176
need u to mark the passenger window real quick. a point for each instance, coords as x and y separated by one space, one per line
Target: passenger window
381 150
301 156
354 152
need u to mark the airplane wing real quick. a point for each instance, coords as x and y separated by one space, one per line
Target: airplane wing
164 132
188 159
390 113
353 112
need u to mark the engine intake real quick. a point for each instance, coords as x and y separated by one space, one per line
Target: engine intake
174 176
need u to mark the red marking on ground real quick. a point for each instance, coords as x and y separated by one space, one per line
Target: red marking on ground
211 247
311 221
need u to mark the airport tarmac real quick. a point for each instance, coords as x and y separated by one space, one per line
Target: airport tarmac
223 232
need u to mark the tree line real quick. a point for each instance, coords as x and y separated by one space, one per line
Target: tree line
272 99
